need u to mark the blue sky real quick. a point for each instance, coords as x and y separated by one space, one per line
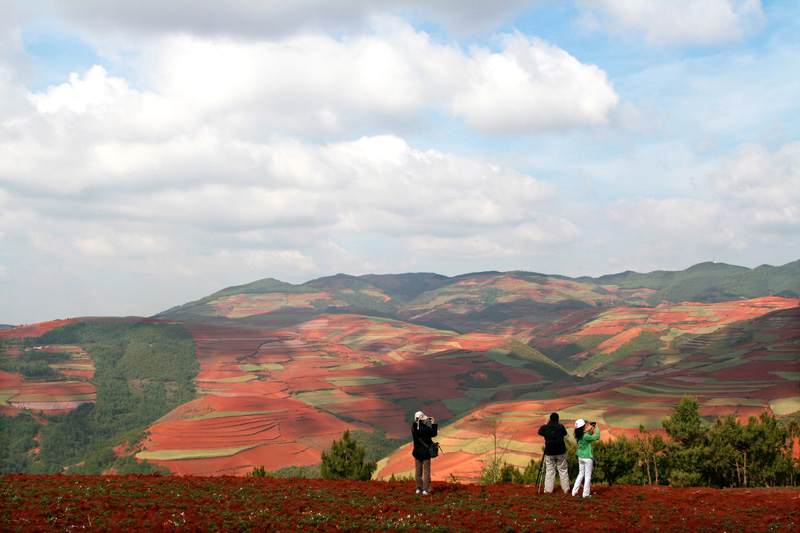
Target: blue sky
154 152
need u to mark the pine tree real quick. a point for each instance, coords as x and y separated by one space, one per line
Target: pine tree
346 460
684 425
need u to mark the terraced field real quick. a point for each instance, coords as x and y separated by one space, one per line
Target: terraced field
283 373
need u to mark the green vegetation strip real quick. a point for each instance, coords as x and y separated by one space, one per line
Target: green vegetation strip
460 405
237 379
785 406
633 421
358 381
54 398
174 455
784 352
789 376
458 355
263 366
225 414
736 402
624 403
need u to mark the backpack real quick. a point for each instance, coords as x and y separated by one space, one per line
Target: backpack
551 434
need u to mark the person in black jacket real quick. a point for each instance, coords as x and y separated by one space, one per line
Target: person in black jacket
423 430
555 454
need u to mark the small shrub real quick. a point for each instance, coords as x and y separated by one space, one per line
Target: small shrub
346 460
679 478
260 471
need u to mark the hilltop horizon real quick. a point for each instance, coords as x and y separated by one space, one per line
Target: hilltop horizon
154 152
600 279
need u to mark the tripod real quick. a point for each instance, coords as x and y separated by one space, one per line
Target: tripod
540 482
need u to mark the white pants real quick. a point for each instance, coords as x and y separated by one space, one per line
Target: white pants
551 463
584 476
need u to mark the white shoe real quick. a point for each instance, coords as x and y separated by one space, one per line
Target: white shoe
418 491
424 493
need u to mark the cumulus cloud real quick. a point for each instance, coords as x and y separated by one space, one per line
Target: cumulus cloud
307 83
105 241
138 200
682 218
94 89
276 18
216 143
542 234
677 22
754 202
316 85
371 184
766 185
531 86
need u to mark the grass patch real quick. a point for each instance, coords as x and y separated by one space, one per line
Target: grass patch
173 455
224 414
237 379
357 381
788 376
250 367
785 406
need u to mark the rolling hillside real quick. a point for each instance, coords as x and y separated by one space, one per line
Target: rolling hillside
284 369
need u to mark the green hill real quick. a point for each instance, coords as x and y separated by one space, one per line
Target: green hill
388 294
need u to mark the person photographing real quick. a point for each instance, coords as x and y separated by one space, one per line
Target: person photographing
423 430
555 454
585 434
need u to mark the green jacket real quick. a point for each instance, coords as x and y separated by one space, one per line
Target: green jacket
585 444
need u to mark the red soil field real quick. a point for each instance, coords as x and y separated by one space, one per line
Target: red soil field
280 383
186 503
48 396
34 330
368 369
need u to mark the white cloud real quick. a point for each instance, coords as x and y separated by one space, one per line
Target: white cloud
94 89
313 84
265 261
371 184
217 143
532 86
766 185
308 83
677 22
543 234
682 218
105 241
276 18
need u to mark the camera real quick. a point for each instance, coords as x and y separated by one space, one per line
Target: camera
593 424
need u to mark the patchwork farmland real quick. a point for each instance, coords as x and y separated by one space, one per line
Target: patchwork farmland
285 369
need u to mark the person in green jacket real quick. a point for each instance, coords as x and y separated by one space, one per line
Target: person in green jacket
585 456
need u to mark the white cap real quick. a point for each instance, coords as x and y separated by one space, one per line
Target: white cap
419 415
579 423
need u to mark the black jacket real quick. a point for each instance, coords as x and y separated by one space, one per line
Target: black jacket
553 434
423 437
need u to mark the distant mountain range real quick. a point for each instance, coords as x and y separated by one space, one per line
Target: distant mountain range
280 369
705 282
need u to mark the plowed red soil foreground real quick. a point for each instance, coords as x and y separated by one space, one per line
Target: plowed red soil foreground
166 503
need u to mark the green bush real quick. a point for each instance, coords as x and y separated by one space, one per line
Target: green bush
260 471
346 460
